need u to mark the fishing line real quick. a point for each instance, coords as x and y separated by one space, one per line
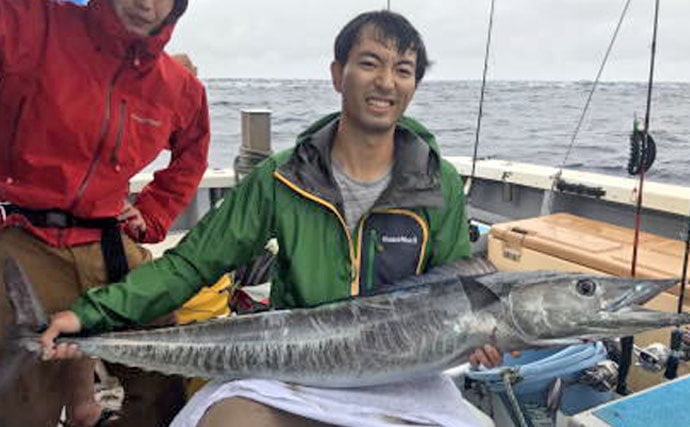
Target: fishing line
627 343
468 184
547 206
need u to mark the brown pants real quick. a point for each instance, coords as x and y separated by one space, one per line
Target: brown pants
59 276
241 412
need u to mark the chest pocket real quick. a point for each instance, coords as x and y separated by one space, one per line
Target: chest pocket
392 247
141 132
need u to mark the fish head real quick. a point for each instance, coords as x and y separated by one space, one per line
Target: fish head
551 308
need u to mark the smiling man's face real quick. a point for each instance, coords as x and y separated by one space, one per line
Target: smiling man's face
377 82
142 17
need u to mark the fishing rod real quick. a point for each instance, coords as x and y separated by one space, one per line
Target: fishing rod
547 203
468 184
628 343
671 371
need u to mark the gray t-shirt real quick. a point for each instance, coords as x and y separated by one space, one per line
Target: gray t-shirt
358 197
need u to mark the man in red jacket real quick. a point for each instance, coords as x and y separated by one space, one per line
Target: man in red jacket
87 99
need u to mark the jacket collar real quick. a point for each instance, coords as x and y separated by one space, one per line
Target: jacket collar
416 179
110 35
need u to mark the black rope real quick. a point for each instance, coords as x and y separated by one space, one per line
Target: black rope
481 96
247 160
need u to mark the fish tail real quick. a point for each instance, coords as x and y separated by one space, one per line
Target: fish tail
28 310
29 317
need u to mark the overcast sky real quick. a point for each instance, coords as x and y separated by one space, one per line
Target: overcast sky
532 39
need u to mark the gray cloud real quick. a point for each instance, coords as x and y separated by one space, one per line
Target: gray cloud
532 40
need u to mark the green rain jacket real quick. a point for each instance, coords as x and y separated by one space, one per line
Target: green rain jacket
418 222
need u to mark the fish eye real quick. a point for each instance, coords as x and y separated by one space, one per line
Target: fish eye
586 287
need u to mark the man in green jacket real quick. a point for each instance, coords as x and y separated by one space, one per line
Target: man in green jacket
364 199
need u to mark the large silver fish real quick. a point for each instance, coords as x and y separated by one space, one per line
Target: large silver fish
426 324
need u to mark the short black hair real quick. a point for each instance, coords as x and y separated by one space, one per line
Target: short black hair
179 7
391 26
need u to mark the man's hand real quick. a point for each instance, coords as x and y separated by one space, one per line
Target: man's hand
134 220
488 356
64 322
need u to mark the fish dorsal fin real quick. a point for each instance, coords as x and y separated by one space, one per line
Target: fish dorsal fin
501 283
20 293
479 295
444 274
475 266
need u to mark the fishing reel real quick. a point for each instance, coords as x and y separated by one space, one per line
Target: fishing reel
656 356
642 152
653 357
685 344
601 377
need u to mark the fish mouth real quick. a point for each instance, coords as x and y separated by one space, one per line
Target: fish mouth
640 294
634 319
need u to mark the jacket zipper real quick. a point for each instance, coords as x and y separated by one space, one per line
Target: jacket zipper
13 138
115 155
102 138
354 259
372 244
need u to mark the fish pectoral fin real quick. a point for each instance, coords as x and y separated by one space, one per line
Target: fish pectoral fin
557 342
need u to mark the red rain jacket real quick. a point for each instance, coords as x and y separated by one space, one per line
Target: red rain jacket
85 105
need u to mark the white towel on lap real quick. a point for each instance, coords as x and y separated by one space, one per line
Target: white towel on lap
430 401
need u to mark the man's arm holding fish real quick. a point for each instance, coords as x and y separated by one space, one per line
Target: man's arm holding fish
161 286
169 281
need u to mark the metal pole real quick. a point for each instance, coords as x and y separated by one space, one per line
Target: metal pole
256 141
256 130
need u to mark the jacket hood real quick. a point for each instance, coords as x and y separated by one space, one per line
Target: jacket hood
416 179
110 35
405 125
178 10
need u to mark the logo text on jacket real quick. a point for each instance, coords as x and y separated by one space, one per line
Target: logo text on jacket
411 240
146 120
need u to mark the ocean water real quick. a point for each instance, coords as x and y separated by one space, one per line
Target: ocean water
530 122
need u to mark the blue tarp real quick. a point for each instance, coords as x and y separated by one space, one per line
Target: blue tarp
663 406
